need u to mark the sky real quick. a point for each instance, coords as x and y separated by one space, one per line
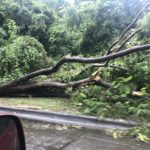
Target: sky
71 2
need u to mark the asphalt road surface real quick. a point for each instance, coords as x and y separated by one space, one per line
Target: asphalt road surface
46 136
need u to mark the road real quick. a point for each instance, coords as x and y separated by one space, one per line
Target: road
46 136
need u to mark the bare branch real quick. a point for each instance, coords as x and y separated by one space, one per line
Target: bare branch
134 20
98 65
140 94
110 48
127 28
118 67
110 66
124 42
127 39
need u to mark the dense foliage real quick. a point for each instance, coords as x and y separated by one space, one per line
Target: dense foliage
34 34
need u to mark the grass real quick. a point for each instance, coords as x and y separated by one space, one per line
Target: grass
52 104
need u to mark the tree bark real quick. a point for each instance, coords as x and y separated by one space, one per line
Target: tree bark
58 85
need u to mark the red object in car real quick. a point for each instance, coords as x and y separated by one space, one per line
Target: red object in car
11 133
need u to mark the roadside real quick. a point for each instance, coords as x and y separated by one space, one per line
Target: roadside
52 104
45 136
63 111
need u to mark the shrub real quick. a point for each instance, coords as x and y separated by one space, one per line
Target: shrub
25 54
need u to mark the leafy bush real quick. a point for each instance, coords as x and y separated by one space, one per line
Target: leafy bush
25 54
2 36
90 102
116 102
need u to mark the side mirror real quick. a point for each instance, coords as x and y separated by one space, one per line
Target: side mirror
11 133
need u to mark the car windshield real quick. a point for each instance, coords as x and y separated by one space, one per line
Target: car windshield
76 72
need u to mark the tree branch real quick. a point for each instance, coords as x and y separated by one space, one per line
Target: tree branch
127 28
64 60
110 48
127 39
110 66
133 21
59 85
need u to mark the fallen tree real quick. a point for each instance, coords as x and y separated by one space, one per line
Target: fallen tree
21 84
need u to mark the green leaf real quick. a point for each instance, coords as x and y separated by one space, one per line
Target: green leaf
127 79
82 95
143 138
